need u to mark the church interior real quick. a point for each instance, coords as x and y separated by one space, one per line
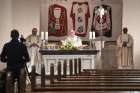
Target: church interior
74 46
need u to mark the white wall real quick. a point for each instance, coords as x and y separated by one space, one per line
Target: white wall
5 23
25 14
18 14
5 20
131 19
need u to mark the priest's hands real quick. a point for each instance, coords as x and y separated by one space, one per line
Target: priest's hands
124 44
34 45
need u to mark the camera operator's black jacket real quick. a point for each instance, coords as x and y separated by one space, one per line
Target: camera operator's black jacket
15 54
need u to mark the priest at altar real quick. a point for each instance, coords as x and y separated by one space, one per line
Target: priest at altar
73 40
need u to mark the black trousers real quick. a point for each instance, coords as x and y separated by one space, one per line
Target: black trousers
16 76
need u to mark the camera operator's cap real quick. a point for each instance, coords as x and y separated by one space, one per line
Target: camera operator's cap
34 30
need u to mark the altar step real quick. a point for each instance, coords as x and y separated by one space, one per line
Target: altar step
112 71
103 76
89 88
100 79
117 72
96 80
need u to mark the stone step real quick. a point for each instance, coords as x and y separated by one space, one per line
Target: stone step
101 76
89 88
113 70
94 84
89 82
100 79
126 71
110 74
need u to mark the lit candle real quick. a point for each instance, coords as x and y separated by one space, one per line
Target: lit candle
46 35
42 35
90 35
93 35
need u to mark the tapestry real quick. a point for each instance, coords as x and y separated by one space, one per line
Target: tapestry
80 15
57 20
58 17
102 26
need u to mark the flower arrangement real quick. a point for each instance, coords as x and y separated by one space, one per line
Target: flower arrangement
68 46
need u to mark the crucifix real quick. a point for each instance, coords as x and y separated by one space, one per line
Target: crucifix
102 12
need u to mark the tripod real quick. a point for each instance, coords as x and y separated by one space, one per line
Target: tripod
28 75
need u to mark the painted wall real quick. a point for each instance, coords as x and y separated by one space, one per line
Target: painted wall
25 14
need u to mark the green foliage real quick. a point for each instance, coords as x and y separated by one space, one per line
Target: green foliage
68 46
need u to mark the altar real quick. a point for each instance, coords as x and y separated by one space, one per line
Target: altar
54 56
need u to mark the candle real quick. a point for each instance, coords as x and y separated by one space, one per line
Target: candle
42 35
46 35
90 35
93 35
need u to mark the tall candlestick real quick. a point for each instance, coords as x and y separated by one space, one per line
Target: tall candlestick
90 35
46 35
42 35
93 35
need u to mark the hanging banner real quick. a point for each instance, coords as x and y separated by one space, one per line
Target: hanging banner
57 20
58 17
80 15
102 23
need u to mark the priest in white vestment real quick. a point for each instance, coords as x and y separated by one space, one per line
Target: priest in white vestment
33 42
125 50
73 39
